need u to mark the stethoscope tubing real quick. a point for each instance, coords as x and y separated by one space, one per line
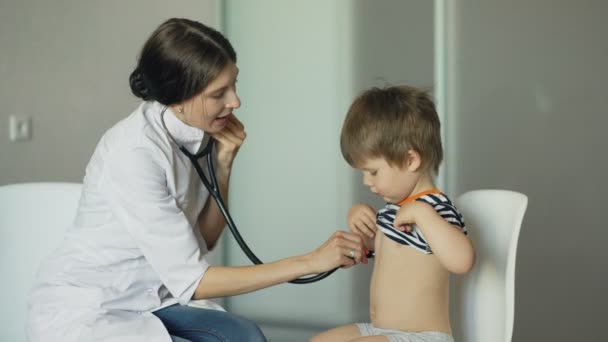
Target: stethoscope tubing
211 185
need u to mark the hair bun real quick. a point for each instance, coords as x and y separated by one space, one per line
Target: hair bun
138 85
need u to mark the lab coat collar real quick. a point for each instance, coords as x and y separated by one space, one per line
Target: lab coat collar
185 135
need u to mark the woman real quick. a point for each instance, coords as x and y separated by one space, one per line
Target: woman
134 256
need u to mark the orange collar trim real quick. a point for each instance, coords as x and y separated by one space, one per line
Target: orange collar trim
418 195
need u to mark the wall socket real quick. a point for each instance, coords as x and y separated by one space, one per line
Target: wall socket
20 128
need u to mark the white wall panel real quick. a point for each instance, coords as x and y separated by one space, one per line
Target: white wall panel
302 63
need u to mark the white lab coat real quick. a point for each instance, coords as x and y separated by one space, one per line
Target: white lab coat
134 246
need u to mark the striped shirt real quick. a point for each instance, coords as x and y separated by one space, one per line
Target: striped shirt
439 201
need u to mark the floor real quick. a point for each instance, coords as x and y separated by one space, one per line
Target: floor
282 333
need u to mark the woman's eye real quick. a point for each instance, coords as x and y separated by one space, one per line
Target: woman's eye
217 96
373 173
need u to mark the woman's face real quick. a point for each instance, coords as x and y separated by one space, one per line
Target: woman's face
210 109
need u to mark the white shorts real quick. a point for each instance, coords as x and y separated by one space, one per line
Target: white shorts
368 329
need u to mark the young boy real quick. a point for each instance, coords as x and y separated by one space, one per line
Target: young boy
393 136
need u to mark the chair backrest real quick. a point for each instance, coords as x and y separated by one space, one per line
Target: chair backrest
33 221
483 300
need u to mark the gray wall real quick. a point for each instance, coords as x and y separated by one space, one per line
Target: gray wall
527 112
66 64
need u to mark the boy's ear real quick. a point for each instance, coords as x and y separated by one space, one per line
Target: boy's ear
413 160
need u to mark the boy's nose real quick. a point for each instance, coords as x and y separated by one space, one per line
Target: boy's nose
366 181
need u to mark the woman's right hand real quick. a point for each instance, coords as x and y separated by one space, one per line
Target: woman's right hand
337 251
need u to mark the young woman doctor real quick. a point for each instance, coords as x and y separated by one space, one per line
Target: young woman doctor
135 254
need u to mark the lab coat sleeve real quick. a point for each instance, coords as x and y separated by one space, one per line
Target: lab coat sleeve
135 183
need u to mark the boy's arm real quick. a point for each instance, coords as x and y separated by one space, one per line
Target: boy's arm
451 246
361 219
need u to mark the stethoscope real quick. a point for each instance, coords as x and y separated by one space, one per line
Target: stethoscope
211 185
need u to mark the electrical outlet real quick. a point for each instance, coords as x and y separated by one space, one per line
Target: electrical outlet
20 128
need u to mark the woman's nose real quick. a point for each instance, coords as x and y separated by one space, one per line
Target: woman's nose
234 102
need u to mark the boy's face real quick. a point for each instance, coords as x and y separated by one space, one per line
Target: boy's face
392 183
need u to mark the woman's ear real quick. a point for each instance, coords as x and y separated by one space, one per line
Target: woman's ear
413 161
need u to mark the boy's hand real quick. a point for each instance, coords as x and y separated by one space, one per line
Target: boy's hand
407 215
361 219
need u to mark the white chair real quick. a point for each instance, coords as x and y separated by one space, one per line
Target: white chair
483 300
33 220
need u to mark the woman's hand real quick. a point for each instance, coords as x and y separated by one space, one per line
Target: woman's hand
229 281
337 251
228 142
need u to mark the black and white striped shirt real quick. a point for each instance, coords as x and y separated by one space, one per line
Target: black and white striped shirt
439 201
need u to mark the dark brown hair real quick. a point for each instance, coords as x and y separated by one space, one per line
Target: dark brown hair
179 60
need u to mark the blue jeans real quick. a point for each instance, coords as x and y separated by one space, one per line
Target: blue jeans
204 325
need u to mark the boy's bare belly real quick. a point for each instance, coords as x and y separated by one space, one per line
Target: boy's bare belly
409 289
